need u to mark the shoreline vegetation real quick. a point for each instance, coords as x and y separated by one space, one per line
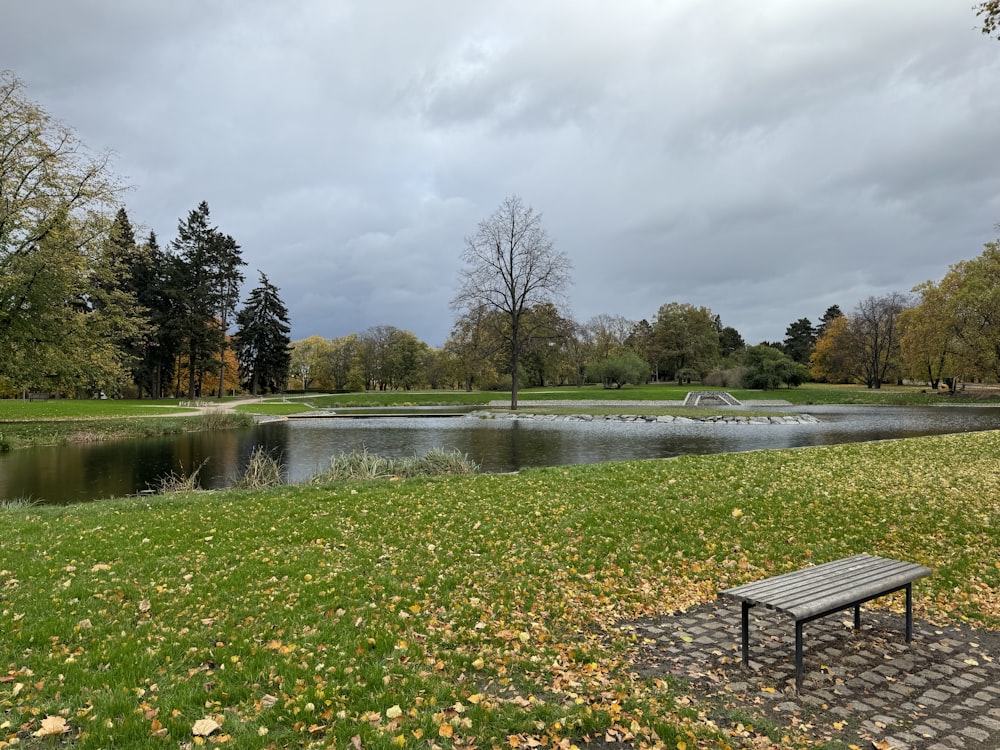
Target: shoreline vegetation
456 611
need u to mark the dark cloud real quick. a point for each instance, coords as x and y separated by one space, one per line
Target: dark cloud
765 160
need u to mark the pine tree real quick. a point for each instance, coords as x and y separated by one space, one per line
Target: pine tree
263 344
209 283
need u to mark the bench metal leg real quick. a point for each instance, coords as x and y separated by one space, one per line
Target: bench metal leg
857 617
798 656
746 634
909 612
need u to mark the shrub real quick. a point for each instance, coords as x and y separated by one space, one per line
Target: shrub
729 378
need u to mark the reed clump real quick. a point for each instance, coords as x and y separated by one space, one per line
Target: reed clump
362 465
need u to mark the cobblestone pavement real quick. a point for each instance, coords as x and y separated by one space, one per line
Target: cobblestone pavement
867 688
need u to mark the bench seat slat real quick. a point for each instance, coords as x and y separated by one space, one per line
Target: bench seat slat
828 587
832 583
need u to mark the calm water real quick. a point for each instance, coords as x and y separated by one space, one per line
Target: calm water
76 473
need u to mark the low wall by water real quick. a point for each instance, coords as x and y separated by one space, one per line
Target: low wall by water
714 419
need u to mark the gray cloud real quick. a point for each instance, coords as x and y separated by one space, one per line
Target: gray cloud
765 160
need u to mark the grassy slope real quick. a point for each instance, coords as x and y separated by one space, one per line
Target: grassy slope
457 611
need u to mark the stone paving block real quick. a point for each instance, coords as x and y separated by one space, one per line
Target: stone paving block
934 695
979 735
992 724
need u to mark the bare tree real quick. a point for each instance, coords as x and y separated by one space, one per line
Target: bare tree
875 325
511 266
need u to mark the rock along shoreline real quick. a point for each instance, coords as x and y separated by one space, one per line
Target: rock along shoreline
624 417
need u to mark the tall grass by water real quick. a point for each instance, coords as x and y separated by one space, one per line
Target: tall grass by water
459 611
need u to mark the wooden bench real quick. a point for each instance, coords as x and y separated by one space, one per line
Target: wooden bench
822 590
38 396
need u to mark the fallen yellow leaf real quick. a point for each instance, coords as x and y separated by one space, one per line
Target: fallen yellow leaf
51 726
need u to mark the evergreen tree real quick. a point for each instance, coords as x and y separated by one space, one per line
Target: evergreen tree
156 281
263 345
800 338
208 289
832 313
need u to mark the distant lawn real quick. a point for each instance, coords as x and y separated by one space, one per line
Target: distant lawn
454 612
65 408
813 393
25 434
275 408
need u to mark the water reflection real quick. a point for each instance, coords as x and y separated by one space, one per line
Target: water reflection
82 472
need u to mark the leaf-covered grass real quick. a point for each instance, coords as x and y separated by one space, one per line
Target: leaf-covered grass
454 611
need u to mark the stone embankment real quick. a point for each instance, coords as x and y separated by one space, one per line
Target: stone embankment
662 419
734 418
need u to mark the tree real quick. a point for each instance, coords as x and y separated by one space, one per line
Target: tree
800 338
731 343
989 11
927 336
608 334
47 176
156 283
473 346
642 340
312 361
263 345
687 339
971 290
373 356
544 359
876 334
511 265
209 278
768 369
404 360
228 278
55 206
834 357
344 367
833 312
620 367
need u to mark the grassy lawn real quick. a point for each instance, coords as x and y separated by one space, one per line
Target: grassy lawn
58 431
451 612
18 409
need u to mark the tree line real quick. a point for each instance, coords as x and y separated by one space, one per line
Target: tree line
510 330
86 308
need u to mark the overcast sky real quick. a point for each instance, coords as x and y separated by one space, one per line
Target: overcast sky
763 159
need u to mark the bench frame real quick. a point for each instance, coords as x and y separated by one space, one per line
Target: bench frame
812 593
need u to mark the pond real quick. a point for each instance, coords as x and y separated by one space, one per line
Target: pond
84 472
